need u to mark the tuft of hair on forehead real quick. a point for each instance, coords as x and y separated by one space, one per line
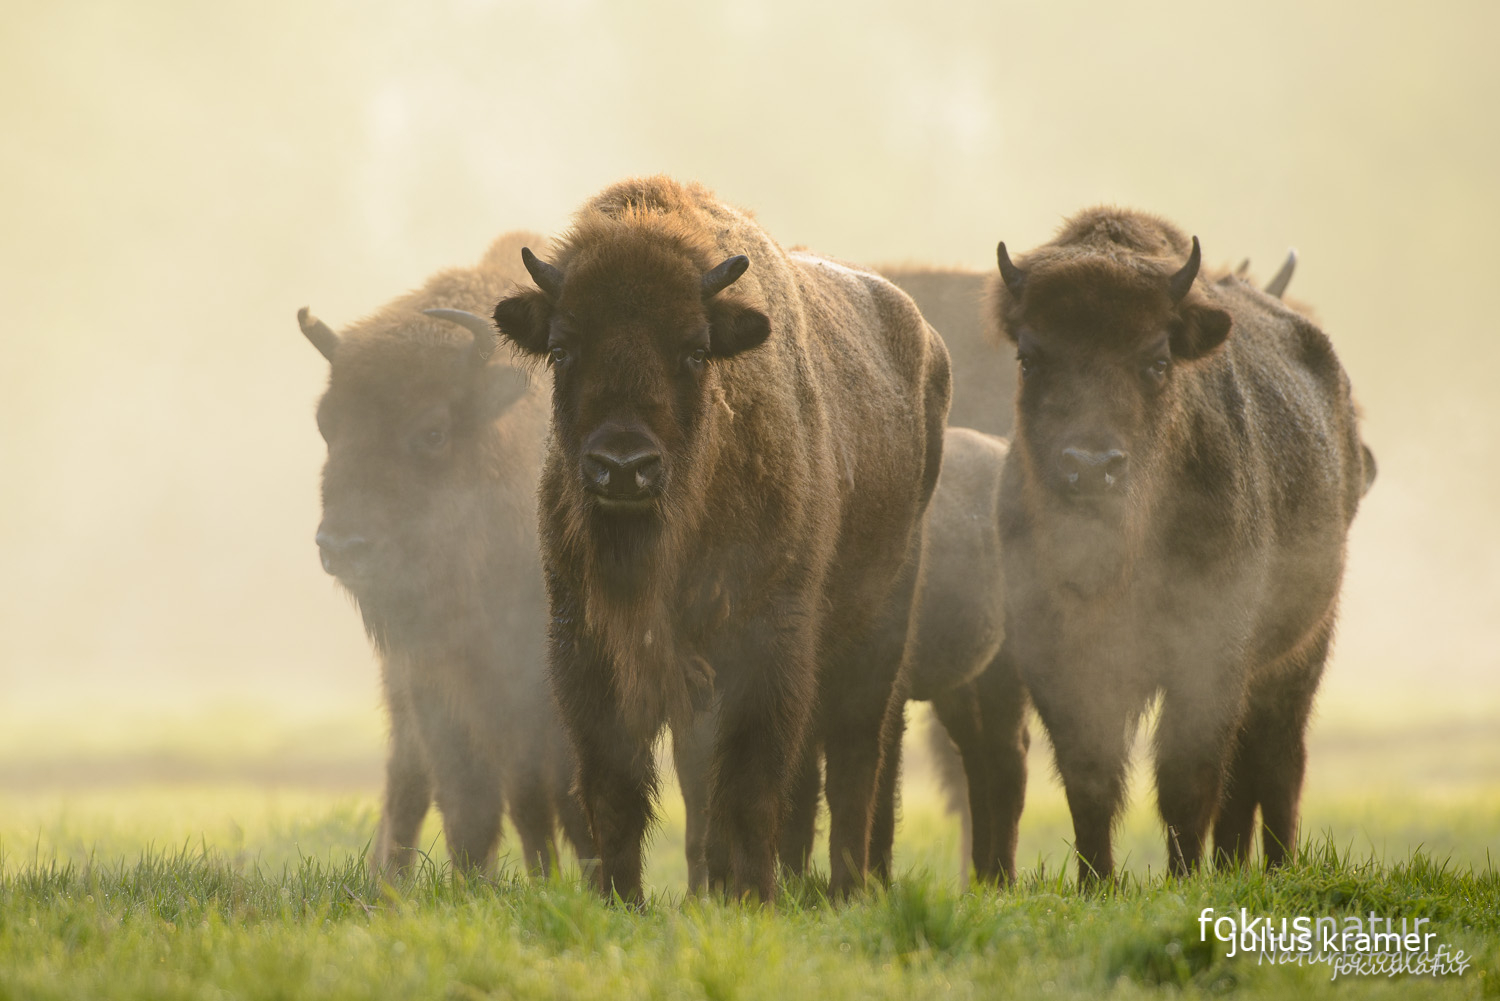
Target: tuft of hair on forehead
1111 230
1104 273
651 226
640 237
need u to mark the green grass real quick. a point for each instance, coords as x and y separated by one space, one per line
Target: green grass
192 923
239 883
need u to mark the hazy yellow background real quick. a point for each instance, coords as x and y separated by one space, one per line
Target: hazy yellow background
177 178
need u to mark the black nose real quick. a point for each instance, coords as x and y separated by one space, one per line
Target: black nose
1093 472
340 553
630 475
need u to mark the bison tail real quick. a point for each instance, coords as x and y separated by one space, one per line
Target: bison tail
938 397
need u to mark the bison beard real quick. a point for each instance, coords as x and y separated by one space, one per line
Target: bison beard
743 442
1173 518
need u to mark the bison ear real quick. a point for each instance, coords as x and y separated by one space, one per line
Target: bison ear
525 318
499 386
733 327
1199 331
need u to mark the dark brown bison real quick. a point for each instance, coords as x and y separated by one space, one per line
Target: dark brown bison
953 626
1173 518
732 490
429 521
953 301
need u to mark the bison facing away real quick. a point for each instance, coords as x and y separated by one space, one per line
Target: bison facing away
952 300
954 653
743 443
1174 512
429 518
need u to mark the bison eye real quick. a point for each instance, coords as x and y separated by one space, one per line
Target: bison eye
558 355
1157 370
435 439
698 356
1028 363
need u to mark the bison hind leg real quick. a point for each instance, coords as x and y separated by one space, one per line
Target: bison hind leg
692 756
1272 752
530 802
799 826
1000 792
1234 827
408 795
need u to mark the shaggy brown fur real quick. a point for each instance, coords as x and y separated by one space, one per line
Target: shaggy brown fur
785 436
953 628
429 516
1173 516
952 300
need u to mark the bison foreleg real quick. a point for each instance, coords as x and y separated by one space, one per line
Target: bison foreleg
466 782
617 783
1192 749
764 717
1091 739
408 794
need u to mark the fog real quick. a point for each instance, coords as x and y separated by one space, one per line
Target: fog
178 179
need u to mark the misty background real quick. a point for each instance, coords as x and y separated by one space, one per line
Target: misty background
176 179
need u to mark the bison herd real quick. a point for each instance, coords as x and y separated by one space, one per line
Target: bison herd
711 488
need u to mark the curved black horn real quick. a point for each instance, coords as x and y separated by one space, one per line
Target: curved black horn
1015 278
725 275
1182 281
485 334
315 330
547 278
1277 286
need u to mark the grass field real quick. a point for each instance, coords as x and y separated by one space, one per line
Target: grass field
163 871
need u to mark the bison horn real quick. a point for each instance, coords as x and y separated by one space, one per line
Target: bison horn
1277 286
1182 281
547 278
485 335
725 275
1015 278
315 330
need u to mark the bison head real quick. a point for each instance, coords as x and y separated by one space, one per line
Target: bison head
414 453
633 327
1100 337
